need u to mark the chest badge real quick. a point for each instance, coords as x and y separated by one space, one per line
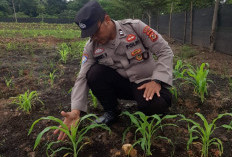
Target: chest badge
130 37
136 52
98 51
139 57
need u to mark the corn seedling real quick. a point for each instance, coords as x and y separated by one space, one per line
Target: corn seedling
179 70
26 100
81 45
173 90
76 135
11 46
199 79
8 82
147 126
94 99
70 91
52 77
203 133
64 51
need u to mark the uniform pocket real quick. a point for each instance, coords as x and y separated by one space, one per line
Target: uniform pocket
137 55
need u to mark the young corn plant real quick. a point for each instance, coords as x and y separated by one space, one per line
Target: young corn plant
203 133
147 127
199 79
26 100
76 135
81 45
8 82
179 73
77 48
94 99
52 77
228 127
64 51
173 90
179 70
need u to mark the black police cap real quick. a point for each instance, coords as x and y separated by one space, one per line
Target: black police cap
87 18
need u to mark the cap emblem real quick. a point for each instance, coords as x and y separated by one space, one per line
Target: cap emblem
82 25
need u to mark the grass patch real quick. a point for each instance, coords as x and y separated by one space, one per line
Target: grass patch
187 52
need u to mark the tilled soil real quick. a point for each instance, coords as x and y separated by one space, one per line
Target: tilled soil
30 71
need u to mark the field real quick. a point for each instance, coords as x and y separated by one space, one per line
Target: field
46 58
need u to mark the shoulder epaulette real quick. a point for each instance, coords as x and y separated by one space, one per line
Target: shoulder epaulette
129 21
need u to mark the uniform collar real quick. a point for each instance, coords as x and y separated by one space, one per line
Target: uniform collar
121 33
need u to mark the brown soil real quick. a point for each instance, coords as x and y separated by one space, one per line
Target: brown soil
29 72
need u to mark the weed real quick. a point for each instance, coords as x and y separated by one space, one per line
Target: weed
187 52
76 135
26 100
196 131
147 126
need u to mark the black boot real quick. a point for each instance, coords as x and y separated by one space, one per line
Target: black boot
108 117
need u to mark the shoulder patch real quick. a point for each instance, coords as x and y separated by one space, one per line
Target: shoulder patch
84 58
150 33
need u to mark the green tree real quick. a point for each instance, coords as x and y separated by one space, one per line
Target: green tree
229 2
4 8
76 4
54 7
112 8
41 8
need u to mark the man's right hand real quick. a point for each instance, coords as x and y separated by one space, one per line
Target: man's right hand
70 119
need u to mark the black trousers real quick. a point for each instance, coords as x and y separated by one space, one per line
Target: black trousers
109 86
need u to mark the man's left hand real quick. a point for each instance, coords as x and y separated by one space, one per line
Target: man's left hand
150 89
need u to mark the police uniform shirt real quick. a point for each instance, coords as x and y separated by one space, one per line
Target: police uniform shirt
130 54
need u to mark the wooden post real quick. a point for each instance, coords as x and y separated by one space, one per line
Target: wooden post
185 22
214 22
170 21
14 10
191 24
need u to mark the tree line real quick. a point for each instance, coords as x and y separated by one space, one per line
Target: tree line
117 9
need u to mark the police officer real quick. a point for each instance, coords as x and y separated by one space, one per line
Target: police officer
118 63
